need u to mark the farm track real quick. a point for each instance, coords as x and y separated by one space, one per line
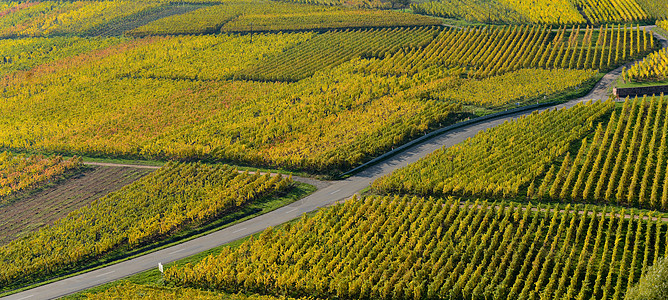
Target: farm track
328 193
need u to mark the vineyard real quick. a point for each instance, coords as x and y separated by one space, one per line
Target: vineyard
652 68
19 172
609 11
518 87
37 208
152 208
353 3
132 291
501 161
473 11
415 248
490 51
626 157
25 54
54 18
623 163
566 203
562 12
270 16
344 96
333 48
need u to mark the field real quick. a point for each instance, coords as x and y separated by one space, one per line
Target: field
53 18
519 200
269 16
44 207
654 68
562 12
20 174
415 248
359 92
161 204
598 156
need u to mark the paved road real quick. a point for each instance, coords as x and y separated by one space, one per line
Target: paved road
328 194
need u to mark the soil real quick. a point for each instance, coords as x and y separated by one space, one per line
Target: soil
44 207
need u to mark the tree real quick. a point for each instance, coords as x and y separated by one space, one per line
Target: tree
653 285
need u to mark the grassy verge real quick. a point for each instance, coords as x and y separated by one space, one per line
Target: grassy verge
260 207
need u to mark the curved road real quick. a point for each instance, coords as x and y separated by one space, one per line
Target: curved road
328 194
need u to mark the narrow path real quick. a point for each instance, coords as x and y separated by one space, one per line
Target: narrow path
328 195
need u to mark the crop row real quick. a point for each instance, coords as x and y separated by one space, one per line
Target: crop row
49 18
490 51
334 48
148 210
500 161
652 68
414 248
608 11
561 12
20 173
625 163
271 16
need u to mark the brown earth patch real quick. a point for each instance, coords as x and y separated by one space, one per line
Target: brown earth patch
31 212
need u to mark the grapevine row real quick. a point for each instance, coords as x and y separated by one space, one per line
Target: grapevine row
652 68
20 173
609 11
561 12
148 210
333 48
490 51
501 161
627 159
414 248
